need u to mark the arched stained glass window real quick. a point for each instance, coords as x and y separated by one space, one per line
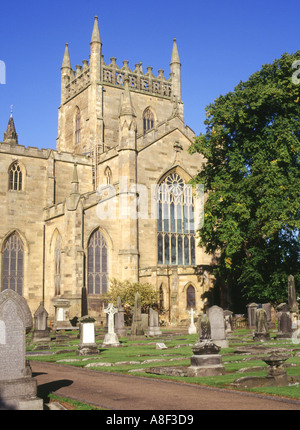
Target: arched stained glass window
175 222
57 269
13 264
148 120
97 264
190 297
15 177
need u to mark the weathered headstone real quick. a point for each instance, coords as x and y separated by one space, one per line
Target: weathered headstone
145 322
228 321
136 326
284 322
204 328
268 308
62 321
192 328
120 328
292 294
41 331
262 329
17 387
154 329
217 326
111 338
87 344
251 314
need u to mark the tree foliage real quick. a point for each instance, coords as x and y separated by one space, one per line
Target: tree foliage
251 175
127 290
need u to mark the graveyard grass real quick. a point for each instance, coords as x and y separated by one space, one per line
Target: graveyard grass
135 356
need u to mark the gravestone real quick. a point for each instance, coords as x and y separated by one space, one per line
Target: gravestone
268 308
41 331
62 321
192 328
17 387
154 329
217 326
145 322
284 322
136 326
111 339
228 321
251 314
84 302
262 329
204 328
119 320
292 294
87 345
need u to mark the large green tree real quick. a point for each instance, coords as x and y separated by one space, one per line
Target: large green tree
252 179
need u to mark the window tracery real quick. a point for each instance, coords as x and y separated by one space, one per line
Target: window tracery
175 222
13 264
97 264
15 177
148 120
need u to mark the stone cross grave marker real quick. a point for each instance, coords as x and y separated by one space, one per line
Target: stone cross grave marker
111 338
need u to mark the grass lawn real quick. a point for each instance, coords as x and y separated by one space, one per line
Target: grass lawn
135 356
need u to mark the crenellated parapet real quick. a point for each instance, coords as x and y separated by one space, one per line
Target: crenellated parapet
78 80
114 75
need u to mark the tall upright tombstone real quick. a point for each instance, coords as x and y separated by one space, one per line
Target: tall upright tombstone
136 326
292 294
18 389
217 326
268 308
204 328
262 329
153 329
252 307
41 331
120 328
284 322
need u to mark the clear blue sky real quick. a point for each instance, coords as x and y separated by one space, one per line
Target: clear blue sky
220 43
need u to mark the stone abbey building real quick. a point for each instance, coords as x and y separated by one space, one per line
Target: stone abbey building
68 219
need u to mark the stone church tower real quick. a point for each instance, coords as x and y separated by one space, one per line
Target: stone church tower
112 201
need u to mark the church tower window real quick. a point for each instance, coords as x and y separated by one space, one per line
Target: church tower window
15 177
148 120
13 264
175 222
97 264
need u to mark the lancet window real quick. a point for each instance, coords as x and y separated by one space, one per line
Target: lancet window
190 297
175 222
13 264
97 264
15 177
148 120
